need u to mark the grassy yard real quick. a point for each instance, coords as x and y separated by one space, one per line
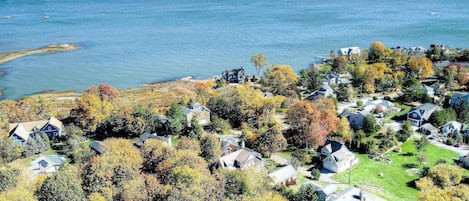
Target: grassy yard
398 177
285 154
402 115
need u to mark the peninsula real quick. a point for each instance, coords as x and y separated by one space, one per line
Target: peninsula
9 56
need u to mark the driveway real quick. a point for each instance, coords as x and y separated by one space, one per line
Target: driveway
462 150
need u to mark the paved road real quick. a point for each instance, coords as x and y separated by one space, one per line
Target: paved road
463 150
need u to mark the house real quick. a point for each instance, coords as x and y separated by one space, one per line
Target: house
47 163
199 111
229 145
452 128
464 161
380 107
240 159
326 192
336 157
420 115
458 98
21 132
331 79
429 129
285 175
429 91
439 88
357 119
324 91
97 146
348 51
234 75
145 136
350 194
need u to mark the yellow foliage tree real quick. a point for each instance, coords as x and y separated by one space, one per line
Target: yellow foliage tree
422 67
281 78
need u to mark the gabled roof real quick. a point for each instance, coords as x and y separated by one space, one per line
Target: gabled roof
23 129
49 161
453 124
20 131
97 146
195 108
239 156
283 174
55 122
425 110
429 127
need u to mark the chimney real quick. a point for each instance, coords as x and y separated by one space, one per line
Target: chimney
169 141
243 145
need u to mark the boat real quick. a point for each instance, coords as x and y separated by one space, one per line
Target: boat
433 14
45 17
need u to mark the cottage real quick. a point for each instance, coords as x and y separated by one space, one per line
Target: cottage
349 51
349 194
429 129
145 136
199 111
240 159
458 98
21 132
420 115
97 146
331 79
326 192
429 91
47 164
336 157
229 145
324 91
464 161
235 76
357 119
380 107
452 128
439 88
285 175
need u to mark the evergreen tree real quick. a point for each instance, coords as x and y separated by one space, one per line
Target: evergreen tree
177 120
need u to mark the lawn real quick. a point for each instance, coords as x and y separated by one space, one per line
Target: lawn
285 154
398 177
401 115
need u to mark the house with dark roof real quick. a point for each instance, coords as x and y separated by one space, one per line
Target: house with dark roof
198 111
324 91
235 76
357 119
429 129
97 146
464 161
336 157
240 159
285 175
21 132
420 115
459 98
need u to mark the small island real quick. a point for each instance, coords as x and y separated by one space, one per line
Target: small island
54 48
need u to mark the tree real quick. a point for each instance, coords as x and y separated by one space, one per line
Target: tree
342 92
405 132
450 74
421 67
190 144
344 130
108 173
8 178
270 140
369 124
9 151
411 90
422 159
153 153
91 111
177 121
377 52
445 175
61 185
196 129
210 148
339 64
281 78
440 117
259 61
306 193
311 78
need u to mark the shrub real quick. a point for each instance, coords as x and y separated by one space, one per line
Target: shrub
316 173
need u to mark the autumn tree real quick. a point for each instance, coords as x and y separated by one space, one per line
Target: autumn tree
108 173
377 52
61 185
8 178
339 64
154 152
421 67
210 148
91 111
443 183
282 79
259 61
344 131
108 93
310 78
270 140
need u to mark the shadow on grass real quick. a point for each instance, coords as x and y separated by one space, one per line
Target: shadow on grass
410 165
411 184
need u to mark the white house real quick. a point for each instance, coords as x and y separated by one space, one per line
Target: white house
285 175
240 159
451 128
47 164
348 51
336 157
199 111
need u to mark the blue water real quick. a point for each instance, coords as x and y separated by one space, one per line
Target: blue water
127 43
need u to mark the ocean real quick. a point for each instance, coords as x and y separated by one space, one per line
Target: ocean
127 43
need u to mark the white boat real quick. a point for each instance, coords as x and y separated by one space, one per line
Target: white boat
433 13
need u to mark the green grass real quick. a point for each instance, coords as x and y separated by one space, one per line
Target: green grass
175 141
397 179
402 114
285 154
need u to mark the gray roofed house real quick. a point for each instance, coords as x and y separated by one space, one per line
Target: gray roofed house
326 192
240 159
429 91
98 147
458 98
350 194
429 129
324 91
420 115
47 163
451 128
229 145
357 119
348 51
285 175
199 111
145 136
336 157
464 160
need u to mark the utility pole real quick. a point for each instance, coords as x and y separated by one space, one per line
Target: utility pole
350 173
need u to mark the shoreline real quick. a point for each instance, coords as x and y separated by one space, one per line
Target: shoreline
50 49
